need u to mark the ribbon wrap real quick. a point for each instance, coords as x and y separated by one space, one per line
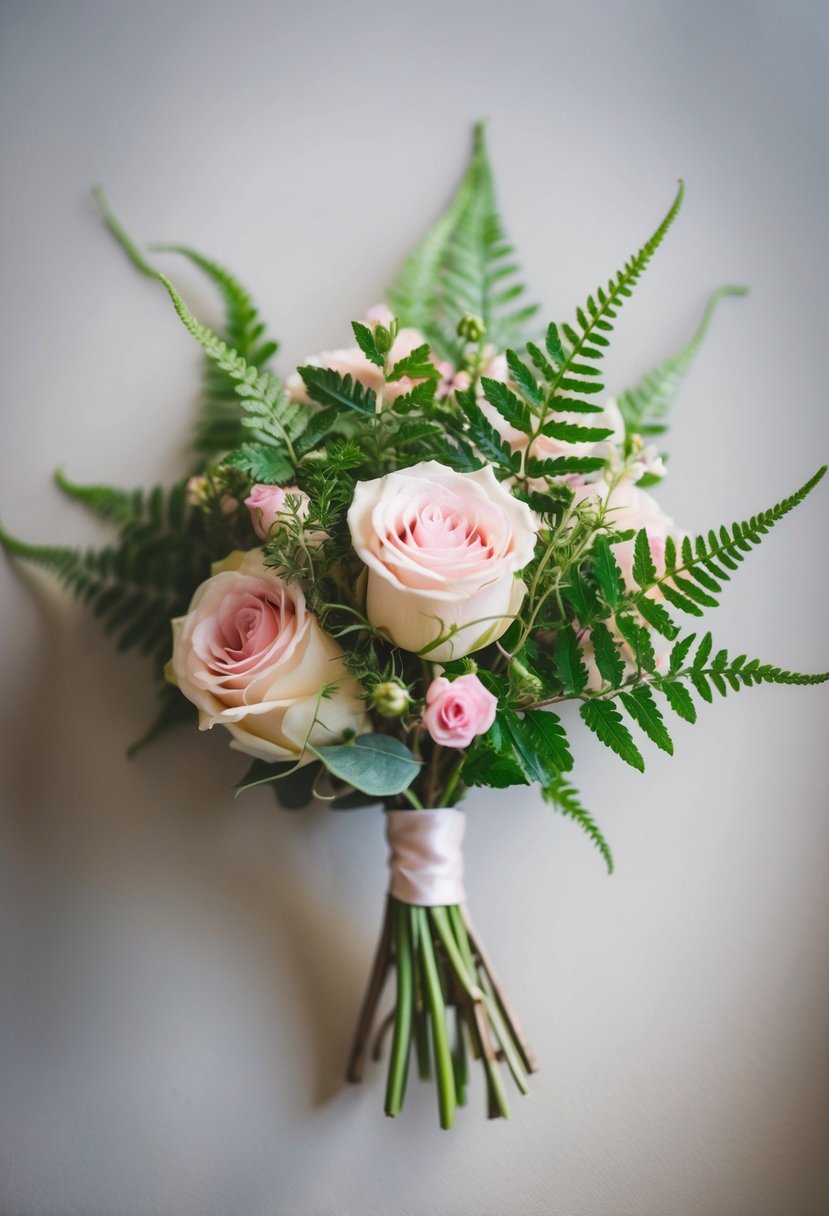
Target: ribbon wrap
425 856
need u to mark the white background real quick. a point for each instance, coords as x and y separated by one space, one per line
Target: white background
180 971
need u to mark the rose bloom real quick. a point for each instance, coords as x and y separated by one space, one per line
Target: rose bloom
251 656
442 550
351 361
267 507
458 711
629 507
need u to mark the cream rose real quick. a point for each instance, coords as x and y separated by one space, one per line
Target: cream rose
442 550
252 657
628 507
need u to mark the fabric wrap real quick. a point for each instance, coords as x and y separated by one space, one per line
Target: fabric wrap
425 857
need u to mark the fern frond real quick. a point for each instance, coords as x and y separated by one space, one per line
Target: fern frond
136 585
269 413
107 502
220 426
694 573
464 265
645 407
569 370
564 798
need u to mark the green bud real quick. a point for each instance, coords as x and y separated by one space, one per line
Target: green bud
523 681
391 699
383 339
471 328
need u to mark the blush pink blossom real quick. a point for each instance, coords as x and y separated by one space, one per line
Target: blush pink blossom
442 550
251 656
459 710
268 507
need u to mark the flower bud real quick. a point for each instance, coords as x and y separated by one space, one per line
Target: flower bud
391 699
471 328
383 339
524 682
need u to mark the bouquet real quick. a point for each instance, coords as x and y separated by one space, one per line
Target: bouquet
384 572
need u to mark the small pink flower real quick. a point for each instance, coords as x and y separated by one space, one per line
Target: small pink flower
459 710
268 507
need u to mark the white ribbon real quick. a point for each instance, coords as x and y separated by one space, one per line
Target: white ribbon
425 856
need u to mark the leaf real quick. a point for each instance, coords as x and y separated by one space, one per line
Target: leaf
328 387
679 699
266 464
606 652
604 719
564 798
645 407
219 427
644 570
366 343
543 730
643 709
511 408
417 366
608 574
376 764
464 266
568 660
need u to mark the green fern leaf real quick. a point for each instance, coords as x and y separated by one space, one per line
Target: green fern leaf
107 502
606 652
604 719
463 266
572 350
220 426
569 663
564 798
269 413
645 407
645 712
328 387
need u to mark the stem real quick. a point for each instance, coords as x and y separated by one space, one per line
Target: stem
377 980
402 1041
447 1100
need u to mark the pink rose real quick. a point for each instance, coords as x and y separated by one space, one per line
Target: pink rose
442 550
253 659
268 507
458 711
351 361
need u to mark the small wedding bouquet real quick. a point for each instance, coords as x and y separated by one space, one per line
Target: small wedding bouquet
382 575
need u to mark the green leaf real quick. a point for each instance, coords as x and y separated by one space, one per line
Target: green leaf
219 427
542 730
464 266
564 798
417 366
644 571
568 660
679 699
606 652
511 408
375 764
366 343
604 719
645 712
645 407
608 574
266 464
679 652
328 387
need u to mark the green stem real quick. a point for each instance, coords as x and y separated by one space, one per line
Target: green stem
401 1043
447 1100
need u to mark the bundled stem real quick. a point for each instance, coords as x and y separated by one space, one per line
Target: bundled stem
449 1004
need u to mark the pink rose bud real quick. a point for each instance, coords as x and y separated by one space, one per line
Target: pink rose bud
268 507
459 710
